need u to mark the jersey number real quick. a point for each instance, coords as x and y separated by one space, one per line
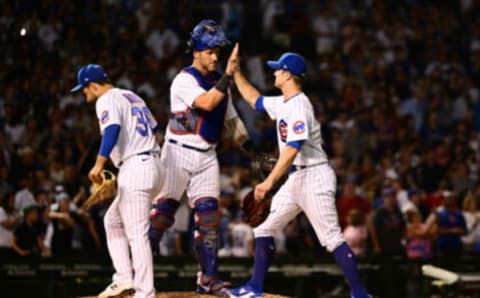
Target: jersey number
144 123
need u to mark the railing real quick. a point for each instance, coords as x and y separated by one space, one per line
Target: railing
387 277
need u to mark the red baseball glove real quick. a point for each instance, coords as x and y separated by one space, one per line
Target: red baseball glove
255 212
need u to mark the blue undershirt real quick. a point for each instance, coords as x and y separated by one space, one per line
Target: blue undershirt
109 139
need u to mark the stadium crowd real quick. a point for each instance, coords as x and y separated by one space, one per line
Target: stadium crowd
394 85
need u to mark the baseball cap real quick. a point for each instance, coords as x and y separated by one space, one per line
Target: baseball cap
292 62
87 74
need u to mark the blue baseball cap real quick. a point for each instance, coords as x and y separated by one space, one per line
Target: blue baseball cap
87 74
294 63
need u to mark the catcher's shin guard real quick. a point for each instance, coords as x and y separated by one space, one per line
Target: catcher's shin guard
162 216
207 219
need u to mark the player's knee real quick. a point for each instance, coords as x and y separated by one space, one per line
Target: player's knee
263 231
333 242
112 222
162 214
207 214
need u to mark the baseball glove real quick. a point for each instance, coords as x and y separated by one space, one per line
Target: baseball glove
255 212
265 162
103 191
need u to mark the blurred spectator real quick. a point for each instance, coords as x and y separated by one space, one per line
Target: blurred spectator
356 232
388 226
63 219
448 225
9 218
348 201
471 213
242 237
26 239
24 197
419 242
387 231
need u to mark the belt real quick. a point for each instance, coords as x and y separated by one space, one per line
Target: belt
294 168
188 146
151 153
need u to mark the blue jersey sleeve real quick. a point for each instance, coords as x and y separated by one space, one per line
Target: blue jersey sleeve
295 144
109 139
259 104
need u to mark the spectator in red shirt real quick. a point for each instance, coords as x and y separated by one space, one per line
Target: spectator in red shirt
348 201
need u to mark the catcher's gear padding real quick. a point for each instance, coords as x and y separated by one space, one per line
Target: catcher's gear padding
162 216
207 218
103 191
255 212
206 35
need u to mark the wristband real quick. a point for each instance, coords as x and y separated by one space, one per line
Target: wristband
222 84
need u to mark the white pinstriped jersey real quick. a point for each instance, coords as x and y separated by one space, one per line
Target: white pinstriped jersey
183 91
296 122
125 108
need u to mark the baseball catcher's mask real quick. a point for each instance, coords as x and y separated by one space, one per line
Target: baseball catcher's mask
206 35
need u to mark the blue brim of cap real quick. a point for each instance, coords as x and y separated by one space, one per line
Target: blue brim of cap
274 64
76 88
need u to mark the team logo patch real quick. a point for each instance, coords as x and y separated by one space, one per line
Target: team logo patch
282 130
299 127
104 117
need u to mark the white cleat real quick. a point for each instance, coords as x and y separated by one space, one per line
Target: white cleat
114 290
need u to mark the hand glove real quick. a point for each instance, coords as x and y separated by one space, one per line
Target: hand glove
104 191
255 212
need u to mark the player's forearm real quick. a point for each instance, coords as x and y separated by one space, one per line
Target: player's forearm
248 92
209 100
100 161
285 160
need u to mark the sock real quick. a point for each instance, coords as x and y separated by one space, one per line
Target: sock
345 259
264 250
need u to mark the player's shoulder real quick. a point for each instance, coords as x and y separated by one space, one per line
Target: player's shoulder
183 78
301 100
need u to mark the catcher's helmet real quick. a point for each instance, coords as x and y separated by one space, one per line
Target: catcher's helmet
206 35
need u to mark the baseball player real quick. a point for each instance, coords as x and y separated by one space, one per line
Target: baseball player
311 183
127 127
200 107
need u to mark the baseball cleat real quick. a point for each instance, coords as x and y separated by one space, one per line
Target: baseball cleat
245 291
114 290
212 286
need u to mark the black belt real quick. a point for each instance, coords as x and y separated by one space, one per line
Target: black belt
188 146
152 153
294 168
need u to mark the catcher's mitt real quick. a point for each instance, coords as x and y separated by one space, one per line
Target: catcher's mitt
255 212
265 162
104 191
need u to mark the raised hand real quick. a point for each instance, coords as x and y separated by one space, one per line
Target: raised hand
233 63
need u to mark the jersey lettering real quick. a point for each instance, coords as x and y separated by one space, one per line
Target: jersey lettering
144 122
132 97
282 130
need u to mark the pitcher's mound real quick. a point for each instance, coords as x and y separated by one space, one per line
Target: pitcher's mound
188 295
